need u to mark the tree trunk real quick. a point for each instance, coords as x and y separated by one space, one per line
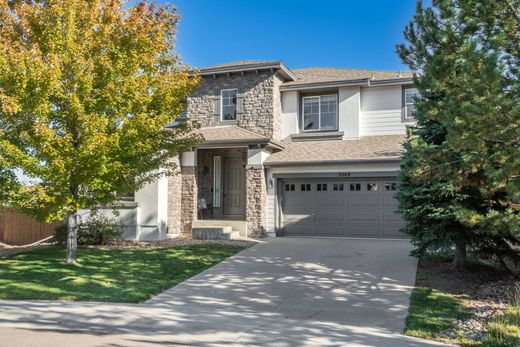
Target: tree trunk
460 254
72 238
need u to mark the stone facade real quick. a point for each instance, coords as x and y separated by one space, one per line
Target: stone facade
188 198
258 110
277 108
260 98
174 201
256 201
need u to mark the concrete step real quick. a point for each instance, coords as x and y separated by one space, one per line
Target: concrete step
214 233
237 225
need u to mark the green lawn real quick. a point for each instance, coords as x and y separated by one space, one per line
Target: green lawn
505 331
432 312
125 275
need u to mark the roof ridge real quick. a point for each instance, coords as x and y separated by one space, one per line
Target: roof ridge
348 68
241 62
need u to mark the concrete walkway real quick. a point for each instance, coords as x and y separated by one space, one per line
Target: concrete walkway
284 292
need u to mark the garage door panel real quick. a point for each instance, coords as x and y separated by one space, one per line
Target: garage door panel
330 230
356 213
363 201
299 229
363 216
364 230
389 201
329 199
391 217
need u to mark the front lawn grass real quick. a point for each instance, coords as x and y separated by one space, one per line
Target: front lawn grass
432 312
505 331
117 275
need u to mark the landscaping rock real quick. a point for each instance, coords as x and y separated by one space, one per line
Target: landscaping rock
6 250
489 302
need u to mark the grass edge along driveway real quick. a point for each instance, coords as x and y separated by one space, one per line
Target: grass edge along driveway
110 275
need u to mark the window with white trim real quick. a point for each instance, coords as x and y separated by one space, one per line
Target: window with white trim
228 102
320 113
409 104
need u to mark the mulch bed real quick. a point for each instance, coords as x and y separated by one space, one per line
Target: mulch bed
175 242
487 292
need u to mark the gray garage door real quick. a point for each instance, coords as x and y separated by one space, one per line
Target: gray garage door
361 208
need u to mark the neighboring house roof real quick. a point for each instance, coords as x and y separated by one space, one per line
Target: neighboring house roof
340 76
369 148
233 135
249 65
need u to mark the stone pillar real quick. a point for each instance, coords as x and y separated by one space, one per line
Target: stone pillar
174 200
188 197
256 201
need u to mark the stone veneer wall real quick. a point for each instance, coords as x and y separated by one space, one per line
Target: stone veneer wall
188 198
256 201
174 200
262 107
277 108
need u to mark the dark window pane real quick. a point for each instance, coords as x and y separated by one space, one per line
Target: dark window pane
355 186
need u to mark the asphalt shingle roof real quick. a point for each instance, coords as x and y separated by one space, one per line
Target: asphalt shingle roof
227 132
323 75
241 63
365 148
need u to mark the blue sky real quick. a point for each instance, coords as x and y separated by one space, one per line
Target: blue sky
303 33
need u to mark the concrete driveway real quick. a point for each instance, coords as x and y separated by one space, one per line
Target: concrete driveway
284 292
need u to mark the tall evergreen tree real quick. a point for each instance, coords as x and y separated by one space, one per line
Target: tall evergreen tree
460 173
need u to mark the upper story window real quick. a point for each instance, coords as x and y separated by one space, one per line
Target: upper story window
320 113
409 104
229 104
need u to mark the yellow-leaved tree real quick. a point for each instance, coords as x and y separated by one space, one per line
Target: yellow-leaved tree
86 88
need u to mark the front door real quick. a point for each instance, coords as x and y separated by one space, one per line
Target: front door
234 179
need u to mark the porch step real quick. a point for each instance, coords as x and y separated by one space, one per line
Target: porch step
214 233
236 225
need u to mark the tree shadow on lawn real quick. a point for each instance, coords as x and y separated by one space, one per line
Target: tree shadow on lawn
105 274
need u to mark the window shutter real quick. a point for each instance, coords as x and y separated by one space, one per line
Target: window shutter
216 105
240 104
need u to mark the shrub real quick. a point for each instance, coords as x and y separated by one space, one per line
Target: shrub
97 230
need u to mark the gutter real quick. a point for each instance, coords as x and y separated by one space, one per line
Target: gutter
332 162
365 82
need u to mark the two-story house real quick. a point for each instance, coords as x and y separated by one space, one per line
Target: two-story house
310 151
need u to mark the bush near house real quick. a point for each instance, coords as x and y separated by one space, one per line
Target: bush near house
98 230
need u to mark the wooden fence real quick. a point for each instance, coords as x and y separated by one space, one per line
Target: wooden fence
21 229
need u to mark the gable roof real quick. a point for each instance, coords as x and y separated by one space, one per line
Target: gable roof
320 76
241 63
369 148
313 77
249 65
